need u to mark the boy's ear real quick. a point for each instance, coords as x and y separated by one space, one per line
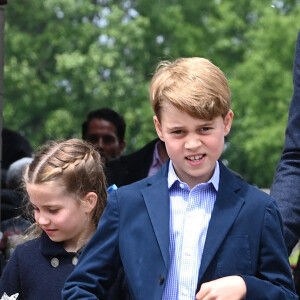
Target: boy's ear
158 128
90 201
228 122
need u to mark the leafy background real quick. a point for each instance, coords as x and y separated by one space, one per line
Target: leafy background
65 58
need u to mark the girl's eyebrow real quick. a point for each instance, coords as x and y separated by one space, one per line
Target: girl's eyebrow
51 206
46 206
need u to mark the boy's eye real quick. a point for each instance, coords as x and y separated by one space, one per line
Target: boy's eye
177 132
204 129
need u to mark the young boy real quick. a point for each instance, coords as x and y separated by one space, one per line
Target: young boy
194 230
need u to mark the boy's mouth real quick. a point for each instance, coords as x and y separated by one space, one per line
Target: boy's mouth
195 157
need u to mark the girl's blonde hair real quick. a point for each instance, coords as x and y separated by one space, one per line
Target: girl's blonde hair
73 164
194 85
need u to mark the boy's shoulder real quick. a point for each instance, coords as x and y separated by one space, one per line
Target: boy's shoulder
149 187
233 181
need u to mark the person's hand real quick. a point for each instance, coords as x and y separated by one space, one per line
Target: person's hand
226 288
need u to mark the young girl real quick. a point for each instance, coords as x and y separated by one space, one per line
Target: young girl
67 191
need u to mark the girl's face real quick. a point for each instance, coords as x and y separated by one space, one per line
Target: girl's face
62 217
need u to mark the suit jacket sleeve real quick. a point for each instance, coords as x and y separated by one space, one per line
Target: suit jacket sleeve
99 262
273 279
286 185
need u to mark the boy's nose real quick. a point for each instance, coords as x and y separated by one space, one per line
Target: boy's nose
193 142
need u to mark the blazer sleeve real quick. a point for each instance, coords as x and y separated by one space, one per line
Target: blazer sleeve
286 185
99 262
273 278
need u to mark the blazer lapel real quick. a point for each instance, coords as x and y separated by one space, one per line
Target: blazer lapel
156 197
227 206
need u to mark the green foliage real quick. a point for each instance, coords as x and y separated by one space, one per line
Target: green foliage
65 58
261 92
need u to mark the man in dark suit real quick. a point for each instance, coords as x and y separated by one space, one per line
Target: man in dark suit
129 168
286 185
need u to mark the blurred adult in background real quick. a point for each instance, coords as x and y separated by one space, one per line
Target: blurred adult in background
286 185
105 129
13 221
14 147
11 195
137 165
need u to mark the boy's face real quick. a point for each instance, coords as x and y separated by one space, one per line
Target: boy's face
194 145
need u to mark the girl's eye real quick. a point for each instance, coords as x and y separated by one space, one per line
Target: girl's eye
53 211
35 209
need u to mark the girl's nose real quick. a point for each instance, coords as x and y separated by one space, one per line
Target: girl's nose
41 219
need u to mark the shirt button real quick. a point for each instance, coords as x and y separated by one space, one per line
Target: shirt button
161 279
181 185
184 292
54 262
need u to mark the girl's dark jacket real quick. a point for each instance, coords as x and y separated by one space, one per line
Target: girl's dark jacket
38 269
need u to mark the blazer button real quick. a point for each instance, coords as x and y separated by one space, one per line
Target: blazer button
161 279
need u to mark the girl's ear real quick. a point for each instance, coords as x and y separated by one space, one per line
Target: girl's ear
90 201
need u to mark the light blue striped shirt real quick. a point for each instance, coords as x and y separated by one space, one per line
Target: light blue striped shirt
190 213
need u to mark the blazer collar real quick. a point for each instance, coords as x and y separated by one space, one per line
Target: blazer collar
227 206
156 197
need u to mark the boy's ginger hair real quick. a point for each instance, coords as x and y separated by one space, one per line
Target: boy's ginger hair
194 85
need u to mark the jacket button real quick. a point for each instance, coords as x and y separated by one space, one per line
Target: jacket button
161 279
54 262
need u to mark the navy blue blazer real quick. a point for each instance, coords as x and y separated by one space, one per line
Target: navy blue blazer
244 238
286 185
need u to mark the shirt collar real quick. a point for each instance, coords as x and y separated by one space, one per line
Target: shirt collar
214 180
